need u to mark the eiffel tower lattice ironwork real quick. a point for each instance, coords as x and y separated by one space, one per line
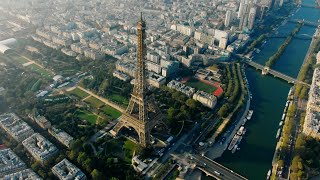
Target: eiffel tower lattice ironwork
142 114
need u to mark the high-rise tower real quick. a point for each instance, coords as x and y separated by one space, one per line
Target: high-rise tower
142 114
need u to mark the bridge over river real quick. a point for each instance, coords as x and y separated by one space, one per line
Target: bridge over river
305 22
265 70
214 169
298 36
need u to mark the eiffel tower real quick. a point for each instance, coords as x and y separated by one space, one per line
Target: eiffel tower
142 114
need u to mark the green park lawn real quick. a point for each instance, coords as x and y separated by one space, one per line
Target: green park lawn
129 147
40 71
110 111
19 59
195 83
94 102
79 93
87 116
119 99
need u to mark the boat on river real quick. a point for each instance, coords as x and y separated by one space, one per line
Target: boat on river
269 174
249 115
278 133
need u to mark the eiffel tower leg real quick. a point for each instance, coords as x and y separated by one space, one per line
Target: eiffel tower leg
116 128
144 138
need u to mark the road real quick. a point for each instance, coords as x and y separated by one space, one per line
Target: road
180 145
212 167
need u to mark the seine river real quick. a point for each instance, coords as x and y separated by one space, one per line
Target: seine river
269 98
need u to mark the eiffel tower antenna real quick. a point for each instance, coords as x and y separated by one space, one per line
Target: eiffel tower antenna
142 114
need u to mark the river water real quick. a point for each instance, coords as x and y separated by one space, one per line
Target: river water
254 158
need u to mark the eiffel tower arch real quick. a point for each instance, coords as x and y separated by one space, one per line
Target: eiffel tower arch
142 113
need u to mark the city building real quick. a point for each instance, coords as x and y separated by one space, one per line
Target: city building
252 17
126 67
227 20
10 163
93 54
42 121
61 136
311 126
15 127
206 99
65 170
155 80
39 147
138 165
27 174
120 75
189 91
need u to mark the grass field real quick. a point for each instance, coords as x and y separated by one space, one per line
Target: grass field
129 147
19 59
40 71
201 86
94 102
119 99
79 93
110 111
87 116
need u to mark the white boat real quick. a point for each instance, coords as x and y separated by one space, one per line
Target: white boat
249 115
269 174
287 103
283 116
290 91
281 123
240 131
278 133
233 142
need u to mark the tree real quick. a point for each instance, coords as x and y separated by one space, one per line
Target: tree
191 103
303 93
36 166
72 155
223 110
96 175
171 112
82 157
88 164
76 145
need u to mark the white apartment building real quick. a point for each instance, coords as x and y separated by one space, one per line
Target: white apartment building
65 170
15 127
27 174
10 162
39 147
61 136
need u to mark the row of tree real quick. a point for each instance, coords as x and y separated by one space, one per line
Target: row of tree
283 47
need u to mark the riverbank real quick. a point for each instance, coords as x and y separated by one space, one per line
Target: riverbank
218 149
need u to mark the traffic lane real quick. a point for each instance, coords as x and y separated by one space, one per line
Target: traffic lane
225 173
